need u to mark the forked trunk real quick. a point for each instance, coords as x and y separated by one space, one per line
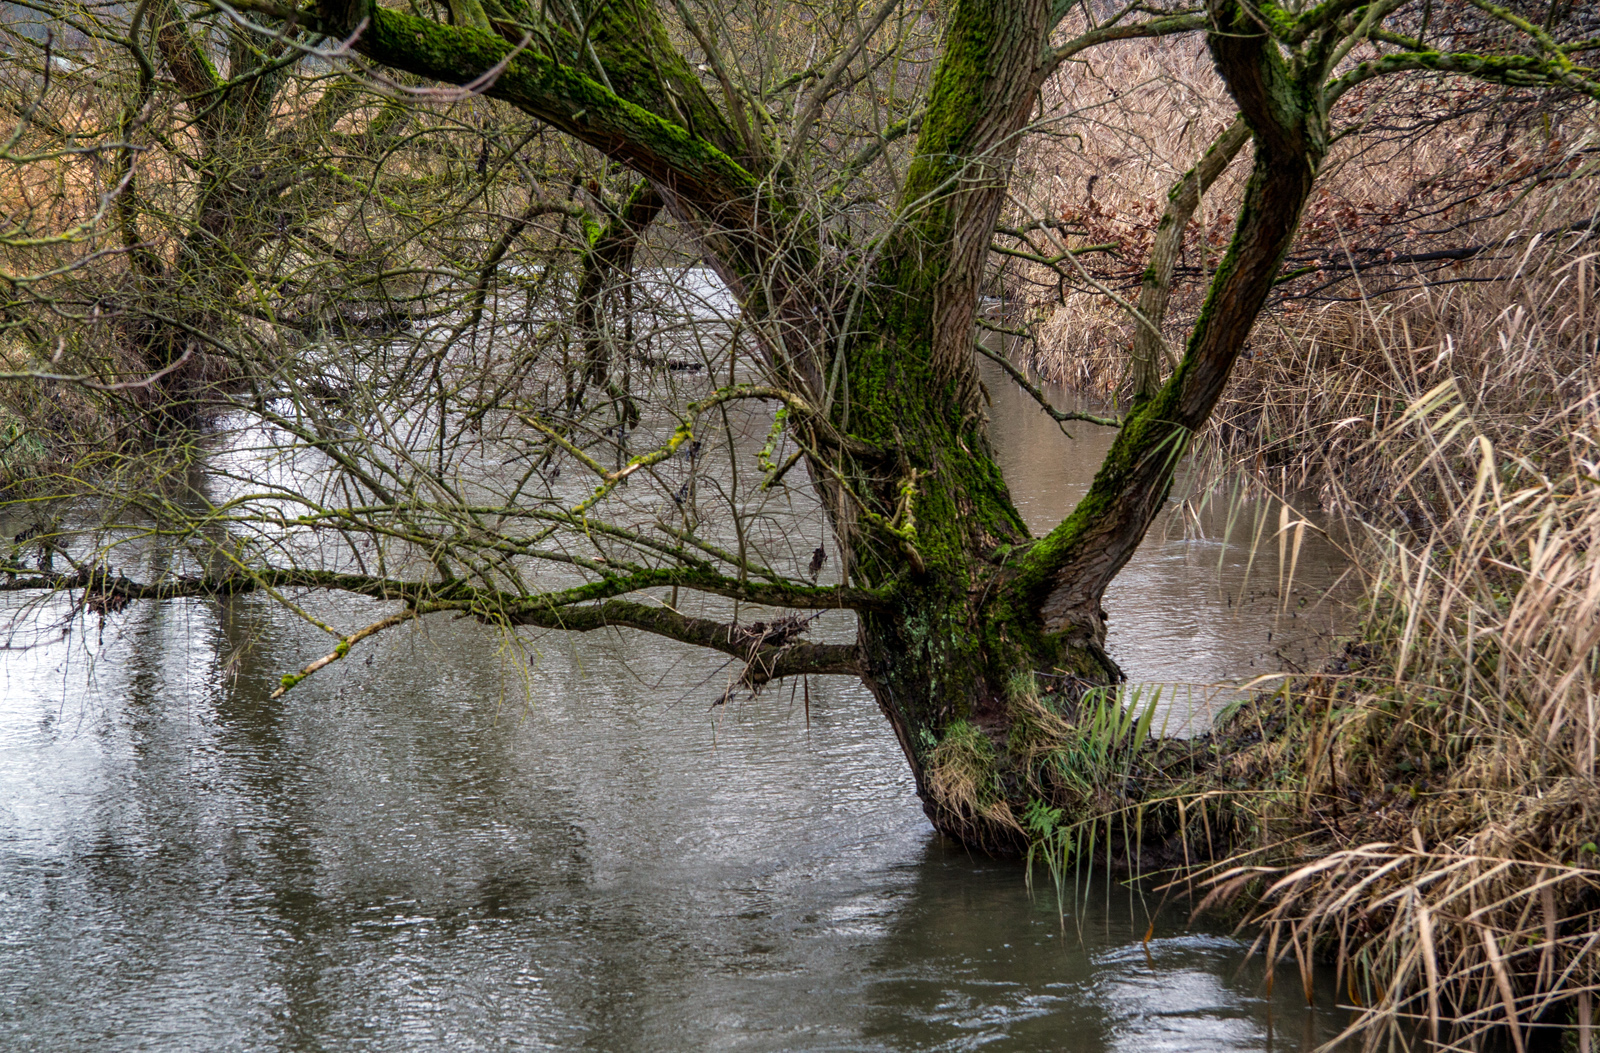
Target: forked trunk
933 520
992 638
974 617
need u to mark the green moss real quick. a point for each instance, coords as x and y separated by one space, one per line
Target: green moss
1282 23
559 94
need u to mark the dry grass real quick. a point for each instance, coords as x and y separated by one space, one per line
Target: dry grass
1139 115
1517 344
960 776
1427 811
1437 812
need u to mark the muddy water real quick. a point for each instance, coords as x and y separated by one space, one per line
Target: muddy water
453 846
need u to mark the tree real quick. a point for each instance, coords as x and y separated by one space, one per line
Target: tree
247 196
848 201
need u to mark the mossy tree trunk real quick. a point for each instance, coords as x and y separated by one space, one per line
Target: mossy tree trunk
182 299
972 608
961 610
946 657
984 608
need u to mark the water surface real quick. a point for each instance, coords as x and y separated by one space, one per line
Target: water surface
453 841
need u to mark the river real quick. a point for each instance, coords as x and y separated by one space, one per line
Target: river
446 844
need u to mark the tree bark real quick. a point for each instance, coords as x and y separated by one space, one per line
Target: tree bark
976 631
947 660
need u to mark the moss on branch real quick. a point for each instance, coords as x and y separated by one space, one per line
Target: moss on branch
659 149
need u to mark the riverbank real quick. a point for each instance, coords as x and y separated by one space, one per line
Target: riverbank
1424 811
1430 805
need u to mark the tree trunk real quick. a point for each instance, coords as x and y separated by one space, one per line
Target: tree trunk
971 613
178 304
1149 348
933 521
984 612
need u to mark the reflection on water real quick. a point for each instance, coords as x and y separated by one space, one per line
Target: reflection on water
420 848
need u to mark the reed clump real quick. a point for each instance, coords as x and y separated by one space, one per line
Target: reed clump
1427 809
1515 339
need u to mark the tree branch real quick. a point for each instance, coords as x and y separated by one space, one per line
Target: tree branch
1067 571
768 651
662 150
1148 347
450 595
1034 391
1167 25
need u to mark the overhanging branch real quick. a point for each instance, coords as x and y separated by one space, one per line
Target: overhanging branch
452 595
769 650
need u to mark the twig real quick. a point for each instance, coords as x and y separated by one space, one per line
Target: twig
1059 416
343 648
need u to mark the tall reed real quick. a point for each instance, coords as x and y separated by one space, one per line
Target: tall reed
1438 810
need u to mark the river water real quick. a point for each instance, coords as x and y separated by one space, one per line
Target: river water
456 842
